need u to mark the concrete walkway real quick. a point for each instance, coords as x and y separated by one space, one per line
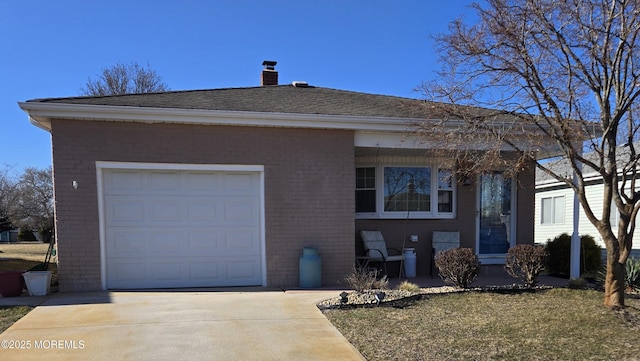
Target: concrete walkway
178 325
200 324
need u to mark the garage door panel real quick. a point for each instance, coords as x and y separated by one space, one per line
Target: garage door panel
119 209
125 181
240 241
127 272
164 210
126 242
182 229
165 270
161 180
199 210
242 269
202 271
203 241
202 183
161 243
239 183
237 209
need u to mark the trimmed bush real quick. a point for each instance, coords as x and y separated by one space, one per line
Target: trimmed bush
525 262
459 266
559 250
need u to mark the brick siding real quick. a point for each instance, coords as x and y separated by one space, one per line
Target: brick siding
309 198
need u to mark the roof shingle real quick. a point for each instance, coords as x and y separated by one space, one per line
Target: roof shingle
278 99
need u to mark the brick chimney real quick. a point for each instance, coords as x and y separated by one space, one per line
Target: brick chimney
269 74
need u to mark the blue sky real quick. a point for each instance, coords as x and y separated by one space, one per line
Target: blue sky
50 49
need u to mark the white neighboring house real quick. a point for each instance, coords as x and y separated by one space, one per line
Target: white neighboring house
554 208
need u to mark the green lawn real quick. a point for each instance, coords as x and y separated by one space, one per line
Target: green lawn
555 324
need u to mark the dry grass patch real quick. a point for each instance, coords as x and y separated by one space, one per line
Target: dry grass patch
24 256
542 325
26 251
10 314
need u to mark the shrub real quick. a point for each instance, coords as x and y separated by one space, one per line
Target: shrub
577 283
632 278
526 262
559 250
459 266
25 235
361 279
409 287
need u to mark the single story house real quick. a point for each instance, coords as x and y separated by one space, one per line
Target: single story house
554 206
225 187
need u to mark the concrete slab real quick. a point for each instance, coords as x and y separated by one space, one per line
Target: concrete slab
178 325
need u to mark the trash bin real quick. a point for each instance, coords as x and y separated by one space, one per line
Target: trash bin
310 268
409 262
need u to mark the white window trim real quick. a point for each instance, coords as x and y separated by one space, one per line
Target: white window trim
553 211
433 214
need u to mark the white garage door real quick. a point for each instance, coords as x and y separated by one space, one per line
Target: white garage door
181 228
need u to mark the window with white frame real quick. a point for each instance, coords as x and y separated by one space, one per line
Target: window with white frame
365 190
387 191
445 190
553 209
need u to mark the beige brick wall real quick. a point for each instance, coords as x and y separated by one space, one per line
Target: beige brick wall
309 197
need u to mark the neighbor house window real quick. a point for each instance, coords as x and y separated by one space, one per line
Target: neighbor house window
390 191
553 209
365 190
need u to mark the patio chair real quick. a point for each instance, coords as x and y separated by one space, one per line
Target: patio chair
376 250
442 241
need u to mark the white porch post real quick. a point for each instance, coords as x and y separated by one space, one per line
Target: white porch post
574 265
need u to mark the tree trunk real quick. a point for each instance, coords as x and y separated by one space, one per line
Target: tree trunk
614 285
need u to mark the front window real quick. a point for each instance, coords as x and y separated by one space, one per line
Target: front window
397 191
407 189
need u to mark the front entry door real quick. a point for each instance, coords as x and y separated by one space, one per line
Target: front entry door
495 218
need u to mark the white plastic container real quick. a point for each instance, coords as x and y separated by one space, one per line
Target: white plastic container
409 262
38 282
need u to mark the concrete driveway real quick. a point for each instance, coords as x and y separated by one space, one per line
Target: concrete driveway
178 325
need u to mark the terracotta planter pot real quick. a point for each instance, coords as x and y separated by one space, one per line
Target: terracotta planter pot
11 283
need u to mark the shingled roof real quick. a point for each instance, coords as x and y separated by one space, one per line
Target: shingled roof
278 99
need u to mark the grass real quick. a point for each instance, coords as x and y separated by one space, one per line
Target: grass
20 257
23 256
10 314
555 324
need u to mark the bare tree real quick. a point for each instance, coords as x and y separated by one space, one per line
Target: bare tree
125 79
559 69
7 186
32 202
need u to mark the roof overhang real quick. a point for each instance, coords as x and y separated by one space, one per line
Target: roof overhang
369 131
41 115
